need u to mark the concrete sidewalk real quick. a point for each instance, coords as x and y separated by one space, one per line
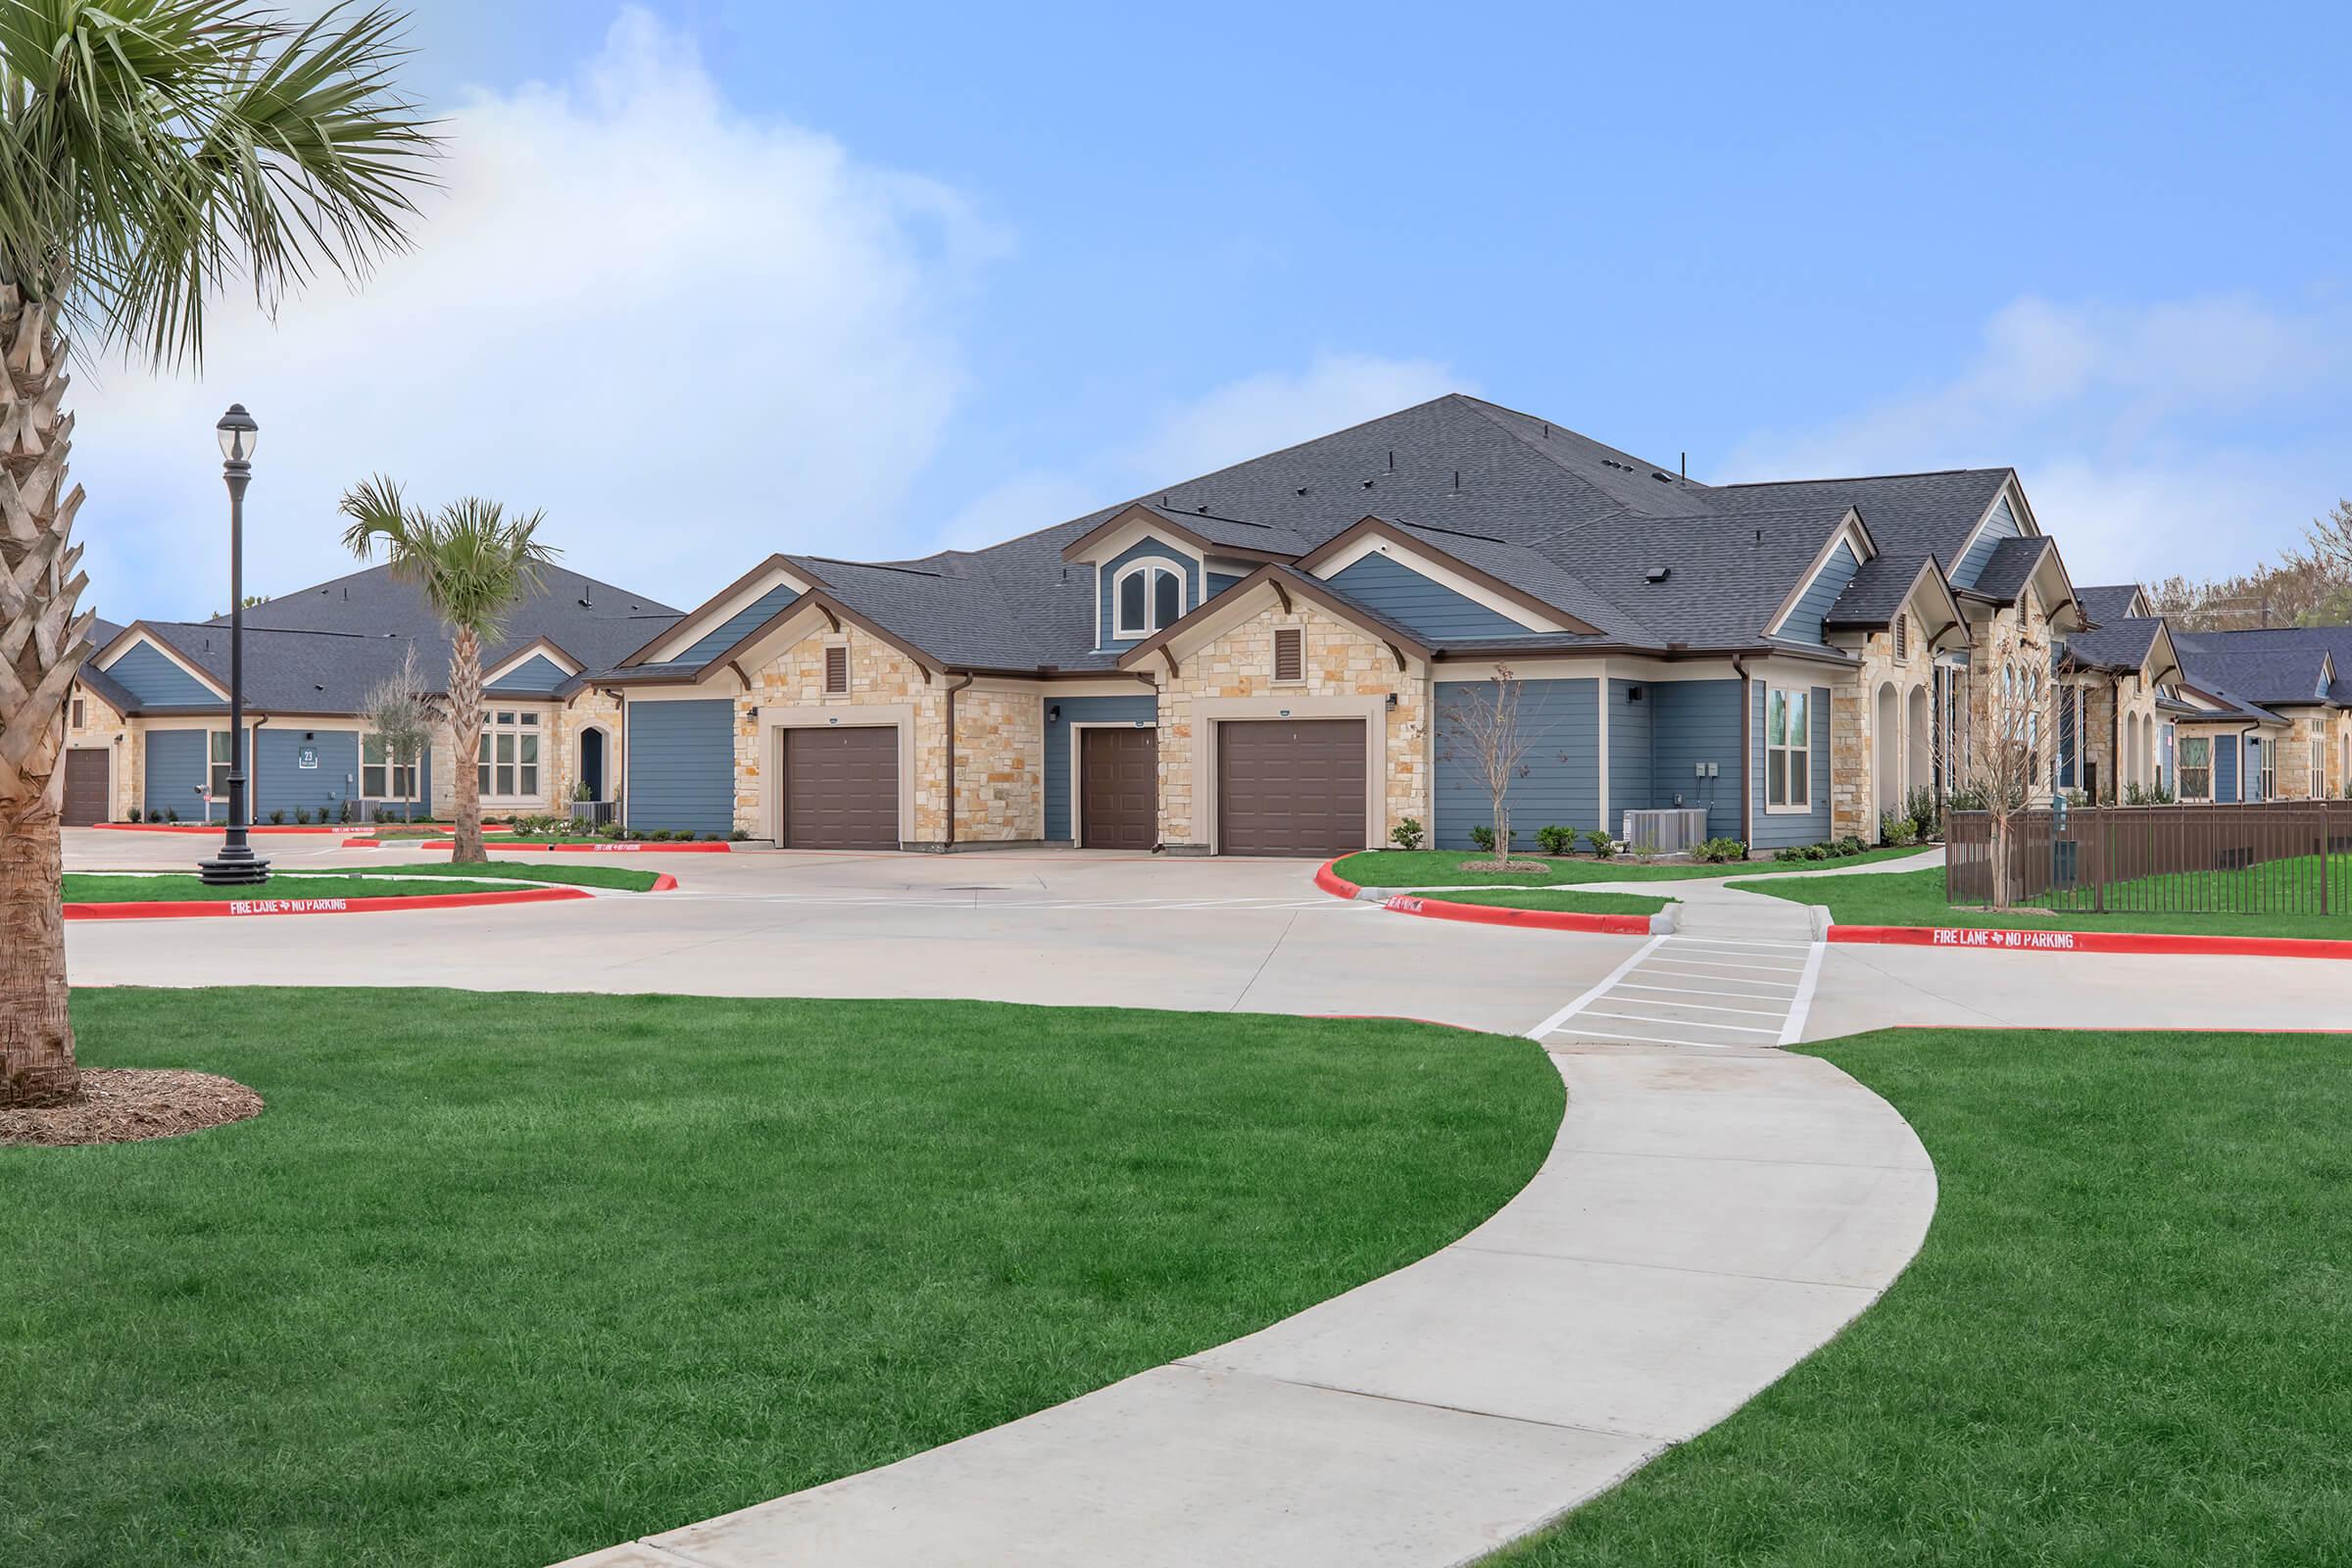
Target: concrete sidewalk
1702 1223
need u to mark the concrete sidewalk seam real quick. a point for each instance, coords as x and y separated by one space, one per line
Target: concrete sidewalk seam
1199 1365
1670 1269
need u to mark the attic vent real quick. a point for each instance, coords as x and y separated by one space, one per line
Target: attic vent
1662 478
837 670
1290 653
1657 574
1902 637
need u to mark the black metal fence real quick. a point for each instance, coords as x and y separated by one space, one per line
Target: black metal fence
2277 858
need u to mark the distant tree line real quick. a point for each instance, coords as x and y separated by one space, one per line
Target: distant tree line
2307 587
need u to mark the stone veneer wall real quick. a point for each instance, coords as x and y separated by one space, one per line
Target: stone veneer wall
1000 766
1854 806
1339 660
879 676
2294 757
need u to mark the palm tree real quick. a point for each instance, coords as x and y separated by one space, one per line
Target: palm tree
473 565
151 151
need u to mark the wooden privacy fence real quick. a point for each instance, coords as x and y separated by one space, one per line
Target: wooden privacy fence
2277 858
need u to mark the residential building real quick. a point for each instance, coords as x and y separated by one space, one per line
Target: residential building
2269 711
148 720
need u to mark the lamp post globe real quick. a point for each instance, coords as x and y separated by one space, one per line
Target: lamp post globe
236 865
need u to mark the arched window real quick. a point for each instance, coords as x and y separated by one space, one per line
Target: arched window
1146 597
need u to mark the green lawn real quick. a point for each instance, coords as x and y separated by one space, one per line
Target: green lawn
1556 898
2125 1340
626 878
500 1279
1916 898
389 882
94 888
1407 868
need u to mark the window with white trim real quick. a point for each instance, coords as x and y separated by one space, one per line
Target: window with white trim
508 759
381 779
1146 597
2270 770
1787 749
2196 767
223 756
2319 759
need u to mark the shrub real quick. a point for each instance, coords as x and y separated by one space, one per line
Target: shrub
1788 853
1899 831
739 836
1850 844
1817 851
1407 834
1484 838
1646 851
1919 804
170 814
1555 838
131 815
1717 852
302 817
1597 840
2133 794
278 815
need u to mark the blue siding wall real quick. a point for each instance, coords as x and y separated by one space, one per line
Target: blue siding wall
1803 624
178 761
2001 525
1562 720
280 784
682 764
2225 767
736 628
539 674
1219 581
1628 749
1777 829
1692 721
1081 710
1419 604
153 678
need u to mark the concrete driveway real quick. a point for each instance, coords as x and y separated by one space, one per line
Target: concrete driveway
1048 927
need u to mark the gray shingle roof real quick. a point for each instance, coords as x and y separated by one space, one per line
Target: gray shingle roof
2296 650
1910 517
322 648
2119 644
2107 602
2263 676
2011 565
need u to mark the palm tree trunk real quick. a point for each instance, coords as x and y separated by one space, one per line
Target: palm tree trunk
466 729
42 647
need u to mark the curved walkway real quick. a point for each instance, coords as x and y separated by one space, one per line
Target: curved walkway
1702 1222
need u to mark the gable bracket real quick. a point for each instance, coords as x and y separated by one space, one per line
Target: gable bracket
1169 653
1396 654
832 621
1281 593
736 665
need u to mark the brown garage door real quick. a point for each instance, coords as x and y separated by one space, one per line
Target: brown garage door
841 789
88 777
1118 789
1290 787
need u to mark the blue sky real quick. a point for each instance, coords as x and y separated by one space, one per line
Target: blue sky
724 277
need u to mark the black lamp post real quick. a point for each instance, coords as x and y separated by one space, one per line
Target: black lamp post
236 864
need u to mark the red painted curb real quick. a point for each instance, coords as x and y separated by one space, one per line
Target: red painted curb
238 908
1331 882
1620 926
1987 939
216 829
518 847
663 882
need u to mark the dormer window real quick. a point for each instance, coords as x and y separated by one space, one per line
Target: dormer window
1146 597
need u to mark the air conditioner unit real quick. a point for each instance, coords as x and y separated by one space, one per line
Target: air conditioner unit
1675 831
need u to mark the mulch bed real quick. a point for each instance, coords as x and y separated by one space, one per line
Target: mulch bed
1505 866
129 1104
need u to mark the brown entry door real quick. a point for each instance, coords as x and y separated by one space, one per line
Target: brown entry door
1290 787
1118 789
90 775
841 789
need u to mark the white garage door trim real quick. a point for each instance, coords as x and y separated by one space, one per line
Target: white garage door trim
1211 711
869 716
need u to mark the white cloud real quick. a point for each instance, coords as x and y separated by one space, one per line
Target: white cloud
633 306
1240 420
2193 435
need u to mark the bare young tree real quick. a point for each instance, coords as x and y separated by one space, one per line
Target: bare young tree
2008 756
402 719
1484 729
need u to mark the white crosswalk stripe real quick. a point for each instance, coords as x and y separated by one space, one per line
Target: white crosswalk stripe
1712 993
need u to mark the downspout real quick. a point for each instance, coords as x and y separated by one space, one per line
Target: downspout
960 683
1747 770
